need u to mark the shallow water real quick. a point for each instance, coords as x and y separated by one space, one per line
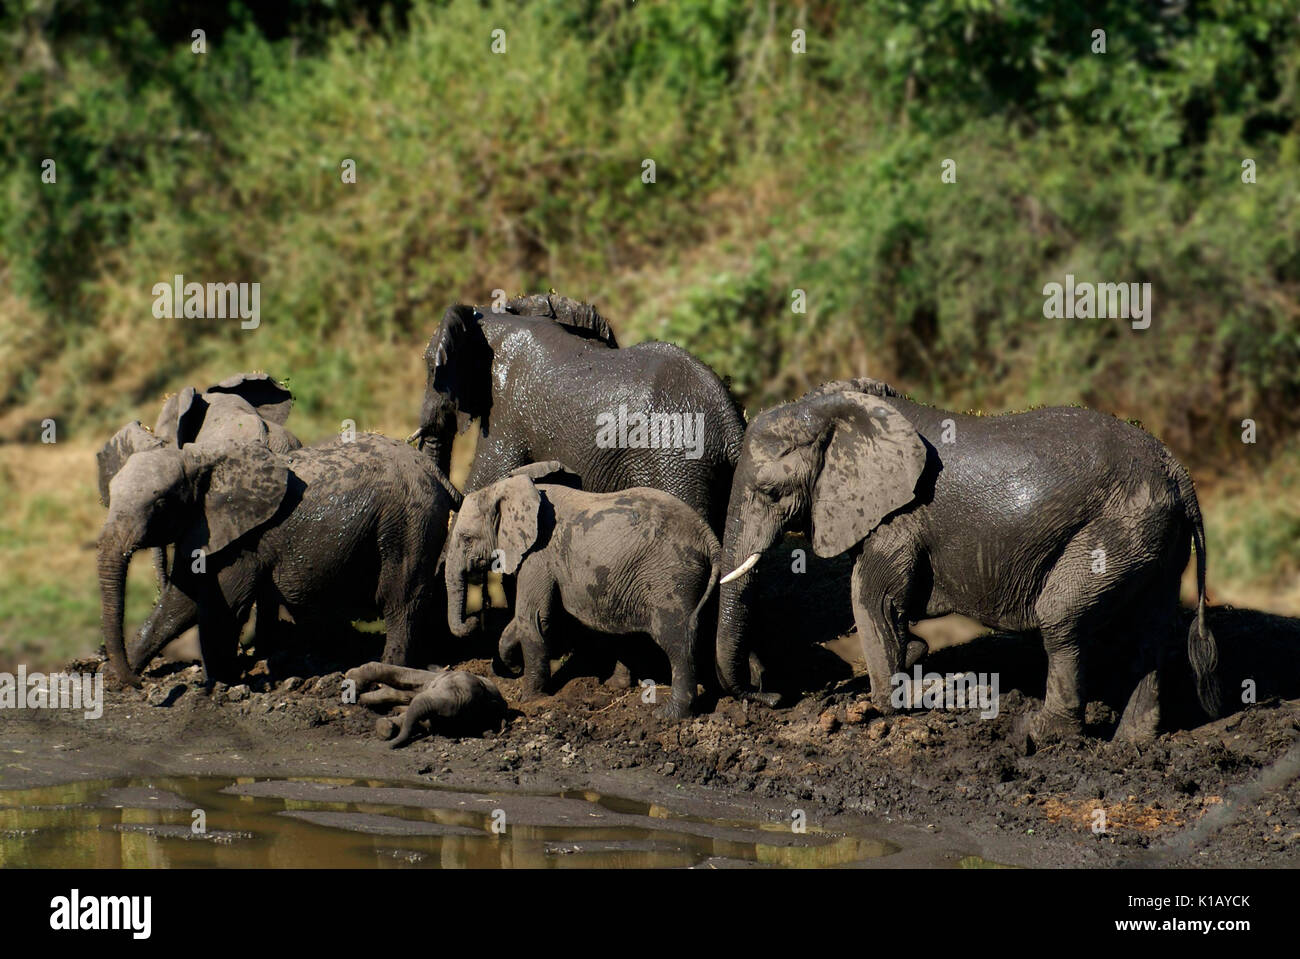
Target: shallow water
365 823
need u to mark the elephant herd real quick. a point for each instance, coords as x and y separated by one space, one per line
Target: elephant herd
623 489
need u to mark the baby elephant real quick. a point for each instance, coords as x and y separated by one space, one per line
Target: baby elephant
636 561
457 701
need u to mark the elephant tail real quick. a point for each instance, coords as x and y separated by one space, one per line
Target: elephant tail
1202 650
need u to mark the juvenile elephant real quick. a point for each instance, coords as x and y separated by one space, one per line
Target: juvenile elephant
344 528
453 701
247 407
546 381
636 561
1064 520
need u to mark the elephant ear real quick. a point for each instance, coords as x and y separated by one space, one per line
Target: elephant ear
518 508
459 360
873 459
551 471
182 417
245 485
129 440
272 400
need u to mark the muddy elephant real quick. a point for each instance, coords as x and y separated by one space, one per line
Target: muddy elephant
344 528
637 561
247 407
1062 520
453 701
545 380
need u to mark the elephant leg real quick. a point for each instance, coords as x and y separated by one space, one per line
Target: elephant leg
403 677
174 613
1080 599
530 626
677 638
386 696
882 629
1155 629
218 642
160 566
1063 705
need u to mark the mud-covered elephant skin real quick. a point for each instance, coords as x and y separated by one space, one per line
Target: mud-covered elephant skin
453 701
1063 520
246 407
544 377
639 561
345 528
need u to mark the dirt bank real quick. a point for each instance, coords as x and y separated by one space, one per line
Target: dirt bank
943 784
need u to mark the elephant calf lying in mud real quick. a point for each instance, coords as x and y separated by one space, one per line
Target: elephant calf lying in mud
636 561
453 701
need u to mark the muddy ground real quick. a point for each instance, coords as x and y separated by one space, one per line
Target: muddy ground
942 784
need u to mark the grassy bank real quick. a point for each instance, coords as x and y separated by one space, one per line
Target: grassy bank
775 172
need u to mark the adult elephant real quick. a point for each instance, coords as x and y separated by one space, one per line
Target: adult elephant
545 380
339 530
244 408
1064 520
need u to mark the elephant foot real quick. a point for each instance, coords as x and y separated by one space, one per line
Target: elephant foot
674 709
1141 720
771 700
1043 727
621 678
386 728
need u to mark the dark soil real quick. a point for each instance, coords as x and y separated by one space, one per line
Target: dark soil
945 782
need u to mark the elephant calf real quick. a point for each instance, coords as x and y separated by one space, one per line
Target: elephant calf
343 528
458 701
635 561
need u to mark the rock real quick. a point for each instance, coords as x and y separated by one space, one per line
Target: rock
292 683
238 694
878 730
828 722
860 712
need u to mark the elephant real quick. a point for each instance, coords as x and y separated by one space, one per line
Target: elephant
346 527
546 381
1061 519
453 700
636 561
247 407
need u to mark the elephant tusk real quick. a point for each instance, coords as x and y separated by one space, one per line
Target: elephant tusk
740 570
415 436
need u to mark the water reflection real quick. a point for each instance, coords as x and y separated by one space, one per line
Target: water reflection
364 823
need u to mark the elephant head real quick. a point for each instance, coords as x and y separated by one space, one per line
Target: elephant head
832 465
495 529
249 407
458 362
204 495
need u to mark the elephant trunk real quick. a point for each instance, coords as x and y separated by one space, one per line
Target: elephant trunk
742 543
457 622
424 704
113 559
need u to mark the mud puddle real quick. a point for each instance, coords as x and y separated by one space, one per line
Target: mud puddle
329 823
